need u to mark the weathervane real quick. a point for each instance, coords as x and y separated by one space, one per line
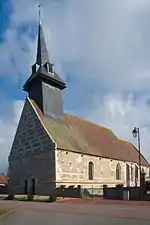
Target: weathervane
39 7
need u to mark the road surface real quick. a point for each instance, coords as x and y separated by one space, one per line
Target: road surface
68 213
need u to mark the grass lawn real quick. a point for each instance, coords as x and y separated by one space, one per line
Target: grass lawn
2 212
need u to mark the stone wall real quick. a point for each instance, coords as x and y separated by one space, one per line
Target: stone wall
32 155
72 169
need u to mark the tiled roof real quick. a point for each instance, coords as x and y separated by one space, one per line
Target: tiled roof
3 179
82 136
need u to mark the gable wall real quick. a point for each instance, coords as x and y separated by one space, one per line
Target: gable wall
32 154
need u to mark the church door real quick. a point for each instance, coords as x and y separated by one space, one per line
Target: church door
33 186
25 186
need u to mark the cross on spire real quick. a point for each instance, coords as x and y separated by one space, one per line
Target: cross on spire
39 7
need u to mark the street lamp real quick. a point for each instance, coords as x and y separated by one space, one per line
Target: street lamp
136 134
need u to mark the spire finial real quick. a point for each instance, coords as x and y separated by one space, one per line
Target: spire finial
42 53
39 7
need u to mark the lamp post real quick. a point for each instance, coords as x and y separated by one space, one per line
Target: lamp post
136 134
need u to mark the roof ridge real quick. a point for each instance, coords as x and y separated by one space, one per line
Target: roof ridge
132 145
141 154
40 119
126 142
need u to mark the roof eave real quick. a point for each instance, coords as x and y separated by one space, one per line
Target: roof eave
48 79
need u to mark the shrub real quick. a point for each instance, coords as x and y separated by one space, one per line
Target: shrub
52 198
119 185
10 197
30 197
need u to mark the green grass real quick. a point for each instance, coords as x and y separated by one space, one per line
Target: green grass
2 212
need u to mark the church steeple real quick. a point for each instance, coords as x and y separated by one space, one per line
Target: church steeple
44 85
42 52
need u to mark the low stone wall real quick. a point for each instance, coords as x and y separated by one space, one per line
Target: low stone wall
79 192
113 193
119 193
92 192
68 192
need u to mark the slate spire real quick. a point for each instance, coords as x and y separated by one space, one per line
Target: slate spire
42 52
44 85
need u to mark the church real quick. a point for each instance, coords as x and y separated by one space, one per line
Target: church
52 149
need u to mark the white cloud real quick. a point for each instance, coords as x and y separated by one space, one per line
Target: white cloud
17 55
8 127
121 114
104 46
17 109
109 40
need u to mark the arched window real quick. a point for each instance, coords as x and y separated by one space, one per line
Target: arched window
118 172
127 173
136 175
136 172
132 174
91 170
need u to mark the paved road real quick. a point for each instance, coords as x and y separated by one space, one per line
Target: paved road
47 218
103 201
69 213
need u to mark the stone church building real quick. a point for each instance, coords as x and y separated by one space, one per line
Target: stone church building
52 149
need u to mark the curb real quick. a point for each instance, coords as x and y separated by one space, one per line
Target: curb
6 214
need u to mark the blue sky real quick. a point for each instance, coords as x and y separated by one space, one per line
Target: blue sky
100 48
5 11
7 84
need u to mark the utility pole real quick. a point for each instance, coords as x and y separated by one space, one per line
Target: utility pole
136 134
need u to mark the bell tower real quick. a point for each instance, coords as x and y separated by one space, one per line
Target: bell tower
44 86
